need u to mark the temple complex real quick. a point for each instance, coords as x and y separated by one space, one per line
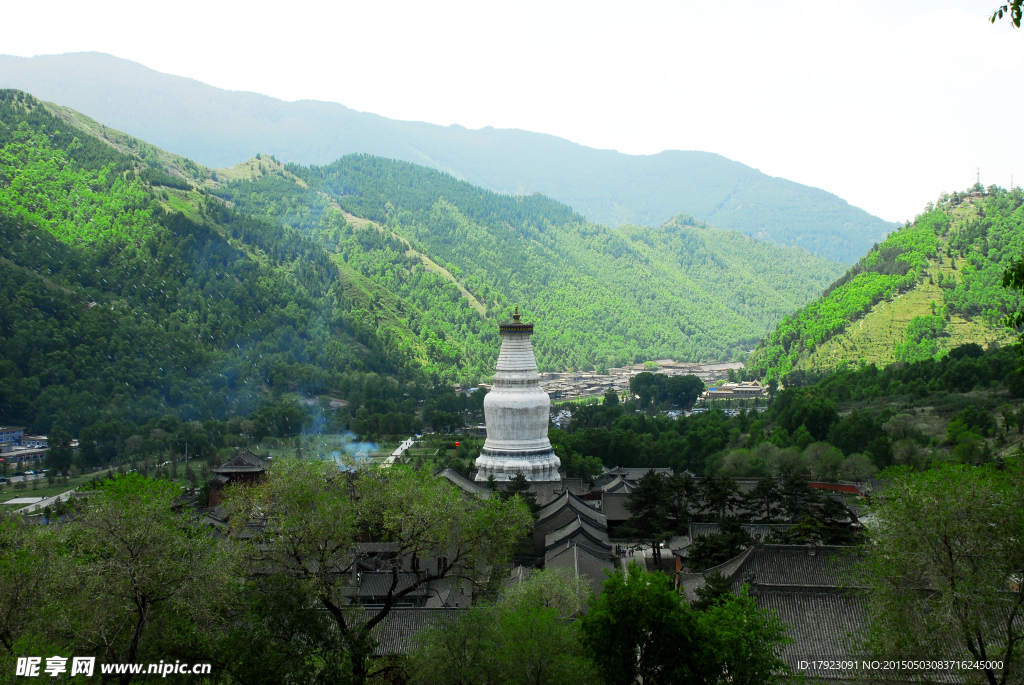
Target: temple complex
516 411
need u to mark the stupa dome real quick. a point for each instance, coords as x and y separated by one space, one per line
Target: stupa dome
516 411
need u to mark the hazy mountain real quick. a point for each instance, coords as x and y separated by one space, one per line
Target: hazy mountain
220 128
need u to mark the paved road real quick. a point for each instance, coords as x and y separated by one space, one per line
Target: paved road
39 506
397 454
18 479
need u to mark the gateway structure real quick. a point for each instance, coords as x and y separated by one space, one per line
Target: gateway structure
516 411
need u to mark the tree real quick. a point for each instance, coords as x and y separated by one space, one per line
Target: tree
646 505
59 454
764 499
943 569
459 654
611 398
681 501
26 562
743 641
525 638
1012 10
535 644
308 519
646 386
638 630
139 578
715 588
518 485
718 496
709 551
684 390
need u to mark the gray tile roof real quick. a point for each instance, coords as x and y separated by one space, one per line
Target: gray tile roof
546 491
518 575
582 561
758 531
463 483
372 584
617 484
243 462
823 626
613 504
571 502
396 634
810 589
574 485
689 582
581 532
634 475
807 567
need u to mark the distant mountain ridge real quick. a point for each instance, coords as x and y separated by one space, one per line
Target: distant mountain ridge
221 128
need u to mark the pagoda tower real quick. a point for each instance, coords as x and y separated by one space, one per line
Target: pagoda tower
517 411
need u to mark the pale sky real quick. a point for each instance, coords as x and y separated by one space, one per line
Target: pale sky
885 103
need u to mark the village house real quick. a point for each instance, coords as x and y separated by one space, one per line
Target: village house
11 435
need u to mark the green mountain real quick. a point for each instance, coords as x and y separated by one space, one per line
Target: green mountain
931 286
134 281
126 291
466 256
219 128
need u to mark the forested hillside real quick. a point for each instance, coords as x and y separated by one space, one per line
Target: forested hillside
934 284
130 289
464 257
125 292
220 128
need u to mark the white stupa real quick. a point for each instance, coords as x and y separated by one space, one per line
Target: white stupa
516 411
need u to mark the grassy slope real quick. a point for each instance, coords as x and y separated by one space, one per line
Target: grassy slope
866 314
873 338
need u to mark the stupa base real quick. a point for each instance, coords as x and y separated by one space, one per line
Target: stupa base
535 466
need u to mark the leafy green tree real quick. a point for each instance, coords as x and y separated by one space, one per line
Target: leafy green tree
682 500
518 486
816 414
638 630
1011 10
526 637
943 568
139 579
310 519
744 642
459 654
718 496
26 567
59 453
